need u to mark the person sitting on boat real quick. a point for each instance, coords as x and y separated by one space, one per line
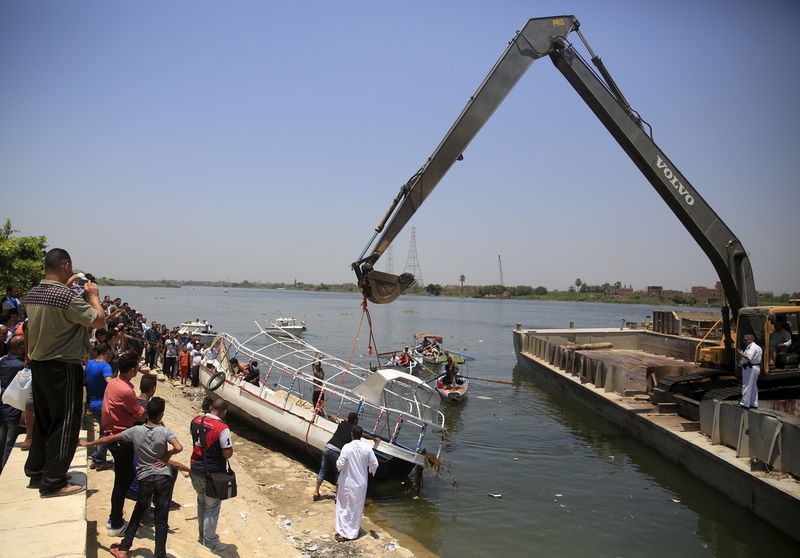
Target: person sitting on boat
433 350
451 370
206 327
404 358
237 370
253 373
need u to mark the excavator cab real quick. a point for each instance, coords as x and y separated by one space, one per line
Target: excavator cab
765 323
782 344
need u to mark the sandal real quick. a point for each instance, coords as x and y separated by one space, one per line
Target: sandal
68 490
316 497
115 550
340 538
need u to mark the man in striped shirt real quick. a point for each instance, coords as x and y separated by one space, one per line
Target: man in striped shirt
58 341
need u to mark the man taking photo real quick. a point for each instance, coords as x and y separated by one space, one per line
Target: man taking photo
58 341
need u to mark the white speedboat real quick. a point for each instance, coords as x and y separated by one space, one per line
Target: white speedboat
198 330
281 327
399 409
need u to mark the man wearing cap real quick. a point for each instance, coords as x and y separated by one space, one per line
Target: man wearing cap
58 341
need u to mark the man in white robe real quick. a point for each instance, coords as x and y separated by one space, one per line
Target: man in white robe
355 463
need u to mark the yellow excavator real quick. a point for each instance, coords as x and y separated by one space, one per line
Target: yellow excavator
549 37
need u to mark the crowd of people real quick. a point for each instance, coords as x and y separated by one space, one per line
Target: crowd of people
72 341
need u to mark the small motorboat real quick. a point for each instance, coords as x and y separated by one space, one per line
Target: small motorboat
198 330
283 327
404 360
430 352
454 392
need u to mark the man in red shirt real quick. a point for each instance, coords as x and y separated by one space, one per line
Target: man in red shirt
120 410
212 447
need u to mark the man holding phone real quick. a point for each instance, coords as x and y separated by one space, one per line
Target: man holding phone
58 341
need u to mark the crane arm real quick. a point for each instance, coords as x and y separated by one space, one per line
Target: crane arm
541 37
533 42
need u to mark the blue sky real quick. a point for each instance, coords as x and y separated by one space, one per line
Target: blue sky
263 141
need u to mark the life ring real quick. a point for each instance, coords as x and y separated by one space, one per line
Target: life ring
216 381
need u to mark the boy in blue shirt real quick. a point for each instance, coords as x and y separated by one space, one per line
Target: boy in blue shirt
98 374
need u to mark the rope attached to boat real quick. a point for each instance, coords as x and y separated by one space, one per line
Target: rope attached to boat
370 344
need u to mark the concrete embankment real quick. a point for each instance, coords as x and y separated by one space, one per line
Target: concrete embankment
41 527
773 497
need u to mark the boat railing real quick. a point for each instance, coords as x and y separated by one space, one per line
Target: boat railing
290 370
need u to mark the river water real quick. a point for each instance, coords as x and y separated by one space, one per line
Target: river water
571 484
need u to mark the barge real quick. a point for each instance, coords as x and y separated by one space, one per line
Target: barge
629 377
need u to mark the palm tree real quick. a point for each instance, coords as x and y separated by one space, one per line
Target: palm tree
461 279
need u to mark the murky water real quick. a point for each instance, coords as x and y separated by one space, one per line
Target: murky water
571 484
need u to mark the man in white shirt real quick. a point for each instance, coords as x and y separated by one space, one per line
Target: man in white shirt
750 359
197 360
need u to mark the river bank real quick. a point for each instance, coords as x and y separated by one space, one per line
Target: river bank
273 515
570 483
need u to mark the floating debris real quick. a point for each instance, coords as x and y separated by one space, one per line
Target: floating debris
495 495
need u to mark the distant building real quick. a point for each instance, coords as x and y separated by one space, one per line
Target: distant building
654 290
671 292
625 292
705 295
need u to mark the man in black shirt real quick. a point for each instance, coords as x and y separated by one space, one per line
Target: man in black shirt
334 447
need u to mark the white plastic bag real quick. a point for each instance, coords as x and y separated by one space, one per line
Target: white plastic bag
19 390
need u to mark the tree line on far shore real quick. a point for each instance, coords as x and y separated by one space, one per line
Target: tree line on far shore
21 260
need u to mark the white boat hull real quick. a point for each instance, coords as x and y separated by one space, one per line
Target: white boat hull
295 419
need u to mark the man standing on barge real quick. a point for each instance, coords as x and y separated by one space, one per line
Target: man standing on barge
750 359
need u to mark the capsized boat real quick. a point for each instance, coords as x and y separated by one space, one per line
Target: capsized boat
397 408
